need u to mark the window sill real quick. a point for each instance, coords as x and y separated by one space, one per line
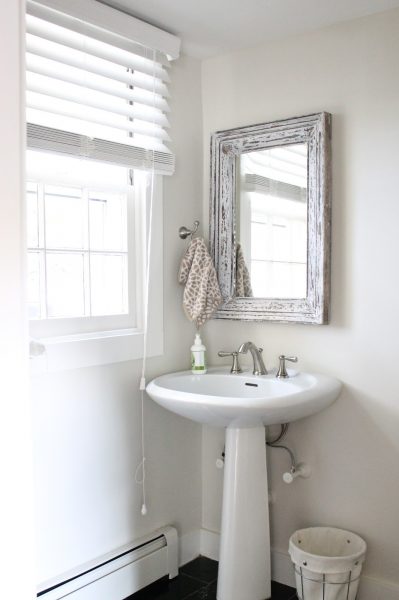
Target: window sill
93 349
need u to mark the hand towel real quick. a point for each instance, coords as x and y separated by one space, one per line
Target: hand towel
243 279
201 295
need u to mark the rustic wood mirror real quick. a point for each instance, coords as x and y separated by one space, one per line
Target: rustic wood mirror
270 219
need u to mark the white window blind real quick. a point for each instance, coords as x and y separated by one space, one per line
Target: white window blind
92 92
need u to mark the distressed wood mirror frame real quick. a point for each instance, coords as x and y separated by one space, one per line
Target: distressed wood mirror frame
226 147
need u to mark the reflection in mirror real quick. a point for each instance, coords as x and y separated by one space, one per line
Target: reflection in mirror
271 221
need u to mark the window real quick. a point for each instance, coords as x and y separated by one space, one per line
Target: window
97 131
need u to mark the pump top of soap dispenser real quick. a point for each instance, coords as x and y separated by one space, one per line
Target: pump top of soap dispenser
197 341
198 345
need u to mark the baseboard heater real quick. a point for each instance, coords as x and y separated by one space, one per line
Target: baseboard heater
117 575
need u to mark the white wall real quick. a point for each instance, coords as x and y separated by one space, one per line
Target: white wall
16 518
87 421
350 70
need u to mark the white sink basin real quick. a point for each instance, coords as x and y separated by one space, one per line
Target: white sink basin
221 399
244 404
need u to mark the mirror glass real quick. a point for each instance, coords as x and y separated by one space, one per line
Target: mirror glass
271 222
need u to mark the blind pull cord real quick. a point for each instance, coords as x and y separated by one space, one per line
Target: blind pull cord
142 385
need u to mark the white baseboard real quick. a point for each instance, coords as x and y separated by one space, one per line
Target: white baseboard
189 546
209 544
282 570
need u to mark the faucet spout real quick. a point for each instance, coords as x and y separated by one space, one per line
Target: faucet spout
256 353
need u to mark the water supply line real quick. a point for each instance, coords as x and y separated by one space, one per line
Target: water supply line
275 444
297 469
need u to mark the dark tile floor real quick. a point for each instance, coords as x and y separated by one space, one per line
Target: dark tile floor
197 581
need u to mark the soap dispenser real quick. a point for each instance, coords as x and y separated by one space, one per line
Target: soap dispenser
198 365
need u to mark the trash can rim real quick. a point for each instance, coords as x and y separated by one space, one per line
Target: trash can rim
356 555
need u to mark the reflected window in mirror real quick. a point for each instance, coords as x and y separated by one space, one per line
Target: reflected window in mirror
272 223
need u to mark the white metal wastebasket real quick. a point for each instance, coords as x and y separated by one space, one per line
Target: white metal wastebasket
327 563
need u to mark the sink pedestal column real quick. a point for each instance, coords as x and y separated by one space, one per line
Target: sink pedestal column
244 566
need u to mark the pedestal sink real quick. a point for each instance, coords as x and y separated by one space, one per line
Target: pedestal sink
244 404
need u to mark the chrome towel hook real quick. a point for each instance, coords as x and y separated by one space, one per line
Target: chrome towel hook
184 232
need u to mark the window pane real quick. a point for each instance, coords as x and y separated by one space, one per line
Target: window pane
299 241
278 279
65 217
108 226
65 285
281 280
281 241
32 215
261 279
108 284
33 291
260 241
299 283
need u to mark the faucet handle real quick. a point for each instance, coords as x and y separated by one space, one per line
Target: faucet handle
236 365
282 371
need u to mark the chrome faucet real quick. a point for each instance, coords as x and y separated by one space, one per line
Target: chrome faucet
259 365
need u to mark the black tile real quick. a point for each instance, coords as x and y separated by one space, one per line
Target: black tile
282 592
198 581
213 586
177 589
279 592
183 586
207 592
201 568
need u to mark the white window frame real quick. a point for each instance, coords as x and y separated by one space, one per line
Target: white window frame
91 348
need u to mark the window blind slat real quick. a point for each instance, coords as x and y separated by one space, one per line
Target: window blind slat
50 68
89 98
92 130
95 48
65 142
265 185
79 60
65 108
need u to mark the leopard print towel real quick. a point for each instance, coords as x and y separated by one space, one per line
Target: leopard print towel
201 295
243 279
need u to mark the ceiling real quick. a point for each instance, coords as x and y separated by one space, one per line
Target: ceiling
211 27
